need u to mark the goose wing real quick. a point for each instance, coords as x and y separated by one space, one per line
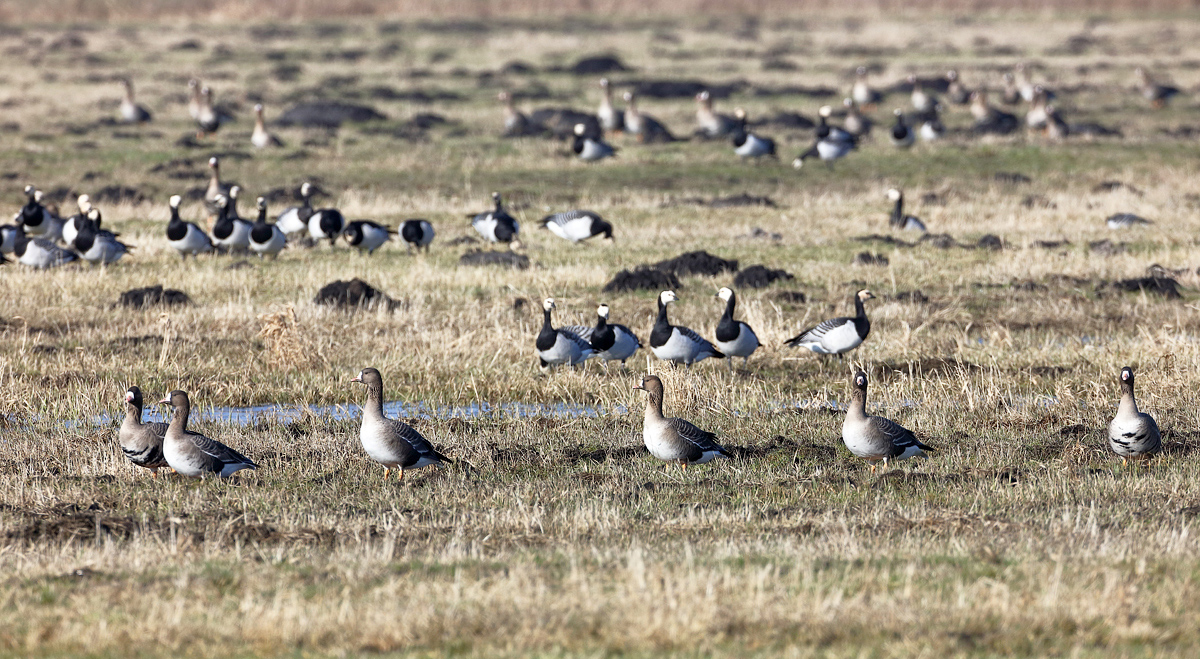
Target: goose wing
578 332
691 335
900 437
219 452
817 332
703 440
415 439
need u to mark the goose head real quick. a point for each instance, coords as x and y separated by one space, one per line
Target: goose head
861 72
602 311
175 399
894 195
93 214
214 163
134 396
860 381
651 385
84 202
548 304
825 111
234 192
580 129
739 114
261 203
174 201
1127 376
725 293
305 190
865 295
667 297
258 109
369 377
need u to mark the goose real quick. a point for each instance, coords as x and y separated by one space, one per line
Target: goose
611 341
590 149
8 237
367 235
875 438
578 225
260 138
855 123
611 119
37 220
644 127
832 143
295 219
230 232
266 238
734 337
677 344
130 112
193 455
40 253
516 124
1056 126
1125 221
208 119
989 120
185 237
861 92
673 439
837 336
194 99
1025 86
898 219
901 135
1157 94
1132 434
922 101
141 442
96 246
326 223
565 345
235 192
71 225
1036 118
932 128
391 442
713 124
417 233
747 144
955 91
497 225
1012 94
216 188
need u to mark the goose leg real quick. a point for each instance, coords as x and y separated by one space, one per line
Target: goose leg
399 474
386 472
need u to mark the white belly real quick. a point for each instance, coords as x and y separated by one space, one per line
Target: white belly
678 348
289 221
574 231
105 251
837 341
193 242
743 346
180 460
564 351
622 349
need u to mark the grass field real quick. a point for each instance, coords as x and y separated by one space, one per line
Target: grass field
1022 536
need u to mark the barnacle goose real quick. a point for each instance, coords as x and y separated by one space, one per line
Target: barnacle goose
1125 221
230 232
185 237
565 345
417 233
96 246
72 225
266 238
37 219
590 149
8 237
861 92
734 337
611 119
747 144
326 223
876 438
367 235
577 225
295 219
497 225
40 253
832 143
837 336
898 219
674 343
645 127
922 101
901 135
611 341
1132 434
130 111
714 124
1157 94
260 138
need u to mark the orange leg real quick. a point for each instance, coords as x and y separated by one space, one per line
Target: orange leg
386 472
400 474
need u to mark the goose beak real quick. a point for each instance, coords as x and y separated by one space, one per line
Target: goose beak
165 401
357 378
639 386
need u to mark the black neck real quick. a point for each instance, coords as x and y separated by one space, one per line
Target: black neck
730 305
860 311
897 215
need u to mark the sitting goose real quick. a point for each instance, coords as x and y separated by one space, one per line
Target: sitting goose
141 442
72 225
955 91
644 127
40 253
590 149
713 124
96 246
898 219
837 336
611 341
578 225
216 188
130 111
856 124
832 143
209 118
901 135
367 235
391 442
192 454
1056 126
989 120
260 138
1157 94
516 124
748 145
673 439
326 223
416 233
266 238
37 220
922 101
875 438
185 237
565 345
1132 434
1125 221
932 128
497 225
675 343
611 120
230 232
734 337
861 92
295 219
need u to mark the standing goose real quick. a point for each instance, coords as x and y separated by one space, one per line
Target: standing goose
856 124
1132 434
590 149
194 99
367 235
832 143
208 120
901 135
260 138
516 124
861 92
922 101
96 246
1012 94
734 337
898 219
713 124
130 111
216 188
1125 221
185 237
565 345
578 225
611 341
1024 84
497 225
295 219
417 233
391 442
37 219
875 438
955 91
266 238
1157 94
192 454
230 232
677 344
141 442
72 225
611 119
40 253
673 439
326 223
932 128
747 144
644 127
837 336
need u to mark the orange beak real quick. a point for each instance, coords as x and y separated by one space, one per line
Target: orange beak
165 401
357 378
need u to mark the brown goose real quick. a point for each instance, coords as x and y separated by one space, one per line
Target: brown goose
643 126
1152 91
192 454
1132 434
130 111
391 442
672 439
874 438
516 124
141 442
216 188
260 138
194 98
611 119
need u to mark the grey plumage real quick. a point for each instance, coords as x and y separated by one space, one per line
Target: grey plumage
391 442
875 438
673 439
1132 434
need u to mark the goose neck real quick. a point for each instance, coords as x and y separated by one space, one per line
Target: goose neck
1128 405
654 404
858 405
374 406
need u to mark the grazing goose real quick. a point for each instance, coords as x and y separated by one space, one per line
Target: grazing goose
141 442
497 225
955 91
861 92
898 219
932 128
855 123
194 99
8 237
96 246
367 235
185 237
260 138
266 238
714 124
1132 434
577 225
901 135
130 111
922 101
611 119
734 337
644 127
391 442
192 454
673 439
832 143
230 232
72 225
611 341
1125 221
590 149
295 219
1157 94
837 336
989 120
677 344
326 223
37 220
875 438
216 188
40 253
416 233
747 144
516 124
565 345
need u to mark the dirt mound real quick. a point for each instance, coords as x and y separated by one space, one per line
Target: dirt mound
597 64
867 258
743 199
495 257
939 240
115 194
696 263
1164 286
151 295
642 278
759 276
991 242
327 114
353 294
1012 178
